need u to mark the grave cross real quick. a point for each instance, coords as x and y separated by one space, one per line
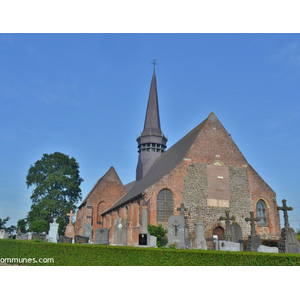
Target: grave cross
71 215
182 209
227 219
285 214
252 220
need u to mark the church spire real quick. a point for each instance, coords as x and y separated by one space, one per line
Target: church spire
151 142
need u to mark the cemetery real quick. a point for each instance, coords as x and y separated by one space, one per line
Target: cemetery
231 250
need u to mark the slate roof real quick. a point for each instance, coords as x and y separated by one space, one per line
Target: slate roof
162 166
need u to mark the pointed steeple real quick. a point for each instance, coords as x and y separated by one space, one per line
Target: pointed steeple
151 142
152 120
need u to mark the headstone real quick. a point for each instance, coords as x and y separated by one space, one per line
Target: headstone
200 242
267 249
70 232
2 234
144 236
153 241
102 236
38 236
120 232
235 231
253 239
176 231
229 246
22 236
79 239
53 232
65 239
288 242
88 231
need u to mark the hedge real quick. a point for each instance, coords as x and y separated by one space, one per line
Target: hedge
100 255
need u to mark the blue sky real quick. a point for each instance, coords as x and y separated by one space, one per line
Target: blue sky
85 95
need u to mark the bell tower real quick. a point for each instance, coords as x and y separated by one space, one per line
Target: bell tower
152 142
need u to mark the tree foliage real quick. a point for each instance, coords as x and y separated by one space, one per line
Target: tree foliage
3 222
56 181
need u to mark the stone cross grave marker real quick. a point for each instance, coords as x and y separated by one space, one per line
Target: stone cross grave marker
71 215
285 209
252 220
288 242
253 239
228 235
70 232
182 210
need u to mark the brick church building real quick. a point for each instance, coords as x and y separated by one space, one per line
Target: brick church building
205 171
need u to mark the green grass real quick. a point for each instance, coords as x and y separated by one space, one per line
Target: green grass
99 255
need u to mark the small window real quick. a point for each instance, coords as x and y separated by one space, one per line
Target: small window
262 213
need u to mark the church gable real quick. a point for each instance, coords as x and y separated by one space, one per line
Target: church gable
104 194
214 145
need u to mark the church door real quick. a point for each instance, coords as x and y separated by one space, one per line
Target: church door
219 231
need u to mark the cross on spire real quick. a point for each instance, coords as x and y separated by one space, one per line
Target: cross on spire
285 214
154 62
252 220
71 215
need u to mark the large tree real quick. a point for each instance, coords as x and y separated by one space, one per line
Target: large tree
56 182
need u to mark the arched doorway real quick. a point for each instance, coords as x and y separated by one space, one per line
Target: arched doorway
219 231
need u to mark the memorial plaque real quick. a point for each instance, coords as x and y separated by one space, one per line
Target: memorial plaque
65 239
81 239
143 239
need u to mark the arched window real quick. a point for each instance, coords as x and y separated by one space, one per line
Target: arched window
165 205
262 213
100 210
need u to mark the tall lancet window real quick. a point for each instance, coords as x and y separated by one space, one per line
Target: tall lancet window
165 205
262 213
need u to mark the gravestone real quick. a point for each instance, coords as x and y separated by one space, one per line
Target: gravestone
102 236
88 231
70 232
253 239
267 249
120 232
79 239
176 231
288 242
22 236
65 239
229 246
53 232
144 236
200 242
38 236
2 234
235 231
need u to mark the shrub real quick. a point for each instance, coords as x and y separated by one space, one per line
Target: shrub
36 254
157 231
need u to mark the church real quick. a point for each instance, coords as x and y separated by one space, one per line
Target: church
204 171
